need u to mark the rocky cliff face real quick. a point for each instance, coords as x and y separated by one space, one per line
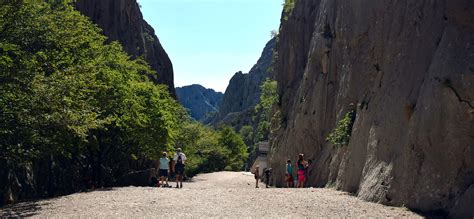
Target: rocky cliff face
407 69
243 92
122 20
198 100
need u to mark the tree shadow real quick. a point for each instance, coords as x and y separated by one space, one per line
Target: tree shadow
21 210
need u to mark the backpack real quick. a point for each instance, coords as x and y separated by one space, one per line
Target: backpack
180 160
154 182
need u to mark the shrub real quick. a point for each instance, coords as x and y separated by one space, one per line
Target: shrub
341 135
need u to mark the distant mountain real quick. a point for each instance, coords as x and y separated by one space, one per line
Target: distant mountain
199 100
243 92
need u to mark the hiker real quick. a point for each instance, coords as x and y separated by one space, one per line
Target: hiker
178 167
256 175
163 167
302 167
289 175
268 173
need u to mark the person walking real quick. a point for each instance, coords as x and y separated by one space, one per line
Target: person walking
178 167
268 173
289 174
302 166
163 167
256 174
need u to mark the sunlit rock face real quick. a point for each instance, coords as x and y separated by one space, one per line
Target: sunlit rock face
122 20
407 69
243 92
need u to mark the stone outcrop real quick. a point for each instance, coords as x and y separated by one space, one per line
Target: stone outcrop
243 92
122 20
200 102
407 69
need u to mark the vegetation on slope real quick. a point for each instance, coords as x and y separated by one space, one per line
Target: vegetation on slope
75 109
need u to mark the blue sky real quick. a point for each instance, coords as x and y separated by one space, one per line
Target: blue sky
209 40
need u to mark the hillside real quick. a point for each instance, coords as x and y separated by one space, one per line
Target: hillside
198 100
243 92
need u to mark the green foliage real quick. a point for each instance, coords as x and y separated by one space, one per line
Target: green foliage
247 133
264 108
288 7
80 110
232 142
65 94
211 150
341 135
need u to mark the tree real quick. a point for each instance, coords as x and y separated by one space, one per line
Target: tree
69 98
230 140
264 109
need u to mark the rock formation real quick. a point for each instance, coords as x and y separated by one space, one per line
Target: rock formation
407 69
200 101
243 92
122 20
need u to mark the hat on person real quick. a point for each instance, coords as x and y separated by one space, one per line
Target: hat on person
178 150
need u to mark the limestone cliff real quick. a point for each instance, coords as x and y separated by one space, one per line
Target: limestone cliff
407 69
122 20
243 92
200 102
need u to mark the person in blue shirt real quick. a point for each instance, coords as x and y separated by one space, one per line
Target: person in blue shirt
164 169
289 175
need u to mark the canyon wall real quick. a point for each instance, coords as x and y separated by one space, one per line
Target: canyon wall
122 20
407 70
243 92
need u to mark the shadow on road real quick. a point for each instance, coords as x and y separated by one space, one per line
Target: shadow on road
32 208
26 209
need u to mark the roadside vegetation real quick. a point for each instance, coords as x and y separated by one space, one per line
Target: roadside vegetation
74 108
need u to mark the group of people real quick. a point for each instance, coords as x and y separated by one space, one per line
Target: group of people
177 166
302 173
266 172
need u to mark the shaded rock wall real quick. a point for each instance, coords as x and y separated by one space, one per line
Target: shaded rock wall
122 20
243 92
200 102
407 69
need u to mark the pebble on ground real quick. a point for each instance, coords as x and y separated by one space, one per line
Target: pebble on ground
221 194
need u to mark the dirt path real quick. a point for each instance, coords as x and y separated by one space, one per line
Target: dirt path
220 194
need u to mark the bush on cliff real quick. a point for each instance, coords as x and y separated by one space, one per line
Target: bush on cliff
341 135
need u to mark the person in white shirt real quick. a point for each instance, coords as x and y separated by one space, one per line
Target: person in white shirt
178 166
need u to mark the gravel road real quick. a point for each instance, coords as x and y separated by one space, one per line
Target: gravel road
222 194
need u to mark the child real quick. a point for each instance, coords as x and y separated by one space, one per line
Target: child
256 175
289 174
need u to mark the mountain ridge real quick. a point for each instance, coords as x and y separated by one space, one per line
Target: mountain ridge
200 101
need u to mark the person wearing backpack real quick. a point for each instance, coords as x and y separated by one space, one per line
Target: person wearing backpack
179 163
